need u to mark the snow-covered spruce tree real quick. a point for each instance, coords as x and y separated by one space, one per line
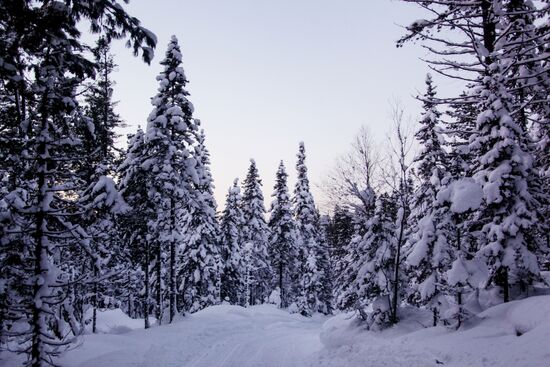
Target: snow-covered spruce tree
133 224
346 298
503 167
503 163
430 254
282 238
324 265
528 80
467 273
47 45
541 129
100 200
255 232
198 269
233 271
346 295
371 269
168 140
338 234
309 275
310 286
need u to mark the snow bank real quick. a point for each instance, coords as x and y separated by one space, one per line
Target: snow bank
115 322
515 334
520 317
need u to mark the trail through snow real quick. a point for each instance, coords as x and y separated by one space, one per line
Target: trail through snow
221 336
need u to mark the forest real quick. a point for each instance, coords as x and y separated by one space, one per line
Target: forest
457 227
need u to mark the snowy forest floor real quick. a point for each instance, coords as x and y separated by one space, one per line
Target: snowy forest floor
514 334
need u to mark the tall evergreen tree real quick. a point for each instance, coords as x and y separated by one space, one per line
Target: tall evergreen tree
199 266
370 275
169 139
325 267
138 242
430 254
339 232
233 266
100 198
283 238
256 233
310 277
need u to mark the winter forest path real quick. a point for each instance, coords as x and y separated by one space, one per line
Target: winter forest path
221 336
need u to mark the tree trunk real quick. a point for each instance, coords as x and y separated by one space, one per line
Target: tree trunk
172 264
281 290
41 255
505 284
94 302
396 271
147 291
489 28
159 282
459 303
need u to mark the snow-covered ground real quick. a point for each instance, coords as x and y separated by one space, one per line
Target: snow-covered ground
218 336
515 334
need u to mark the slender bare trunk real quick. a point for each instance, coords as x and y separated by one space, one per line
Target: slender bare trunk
158 270
146 305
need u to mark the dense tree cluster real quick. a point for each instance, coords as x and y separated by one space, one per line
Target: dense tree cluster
468 215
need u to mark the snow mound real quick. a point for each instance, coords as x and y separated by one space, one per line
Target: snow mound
520 317
115 321
515 334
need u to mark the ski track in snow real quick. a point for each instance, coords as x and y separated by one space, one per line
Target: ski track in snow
224 336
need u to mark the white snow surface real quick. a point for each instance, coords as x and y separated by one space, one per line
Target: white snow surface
222 335
513 334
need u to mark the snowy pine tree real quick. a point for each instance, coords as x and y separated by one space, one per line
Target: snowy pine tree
169 139
255 233
100 199
324 265
134 223
233 274
310 277
430 254
283 238
339 232
370 274
198 270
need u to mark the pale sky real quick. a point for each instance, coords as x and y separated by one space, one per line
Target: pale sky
265 75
